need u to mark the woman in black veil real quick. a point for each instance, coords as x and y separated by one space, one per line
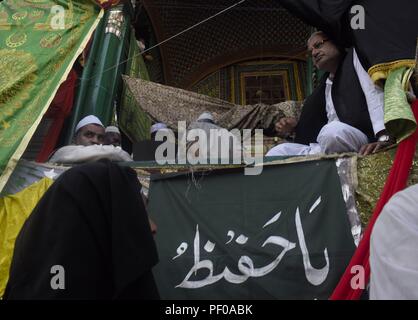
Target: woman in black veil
89 237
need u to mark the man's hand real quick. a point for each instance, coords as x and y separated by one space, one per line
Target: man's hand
285 126
383 140
374 147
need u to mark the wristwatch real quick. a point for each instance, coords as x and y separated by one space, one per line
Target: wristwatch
384 138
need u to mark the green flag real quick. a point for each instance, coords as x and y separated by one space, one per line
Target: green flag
283 234
40 40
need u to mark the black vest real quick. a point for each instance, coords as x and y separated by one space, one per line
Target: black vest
349 102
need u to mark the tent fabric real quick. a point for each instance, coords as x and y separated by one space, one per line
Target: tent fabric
34 61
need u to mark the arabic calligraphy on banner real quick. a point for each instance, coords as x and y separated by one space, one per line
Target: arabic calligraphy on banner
246 265
282 235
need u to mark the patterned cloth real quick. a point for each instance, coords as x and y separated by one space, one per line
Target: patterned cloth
37 50
399 119
170 105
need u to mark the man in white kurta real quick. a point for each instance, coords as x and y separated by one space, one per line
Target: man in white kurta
337 136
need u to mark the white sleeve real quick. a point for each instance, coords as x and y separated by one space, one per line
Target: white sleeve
374 96
67 154
79 154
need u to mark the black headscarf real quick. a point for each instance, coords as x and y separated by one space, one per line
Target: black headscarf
92 222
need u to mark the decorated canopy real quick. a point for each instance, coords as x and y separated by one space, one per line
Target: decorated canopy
39 44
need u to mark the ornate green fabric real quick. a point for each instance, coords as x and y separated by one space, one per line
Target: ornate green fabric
399 119
372 173
39 44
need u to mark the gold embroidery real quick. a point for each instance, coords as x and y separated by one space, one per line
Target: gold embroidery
15 75
19 15
4 16
36 14
42 4
36 1
5 125
7 142
69 17
50 40
16 39
20 71
381 71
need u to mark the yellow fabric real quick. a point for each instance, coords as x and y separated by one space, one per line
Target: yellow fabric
381 71
14 210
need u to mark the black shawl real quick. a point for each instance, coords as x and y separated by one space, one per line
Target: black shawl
349 102
329 16
390 34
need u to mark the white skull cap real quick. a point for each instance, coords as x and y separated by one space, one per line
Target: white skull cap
206 116
158 126
112 129
88 120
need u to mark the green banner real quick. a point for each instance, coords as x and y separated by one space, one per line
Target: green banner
40 40
283 234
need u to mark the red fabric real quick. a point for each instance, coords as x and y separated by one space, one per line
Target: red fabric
59 109
395 182
107 3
